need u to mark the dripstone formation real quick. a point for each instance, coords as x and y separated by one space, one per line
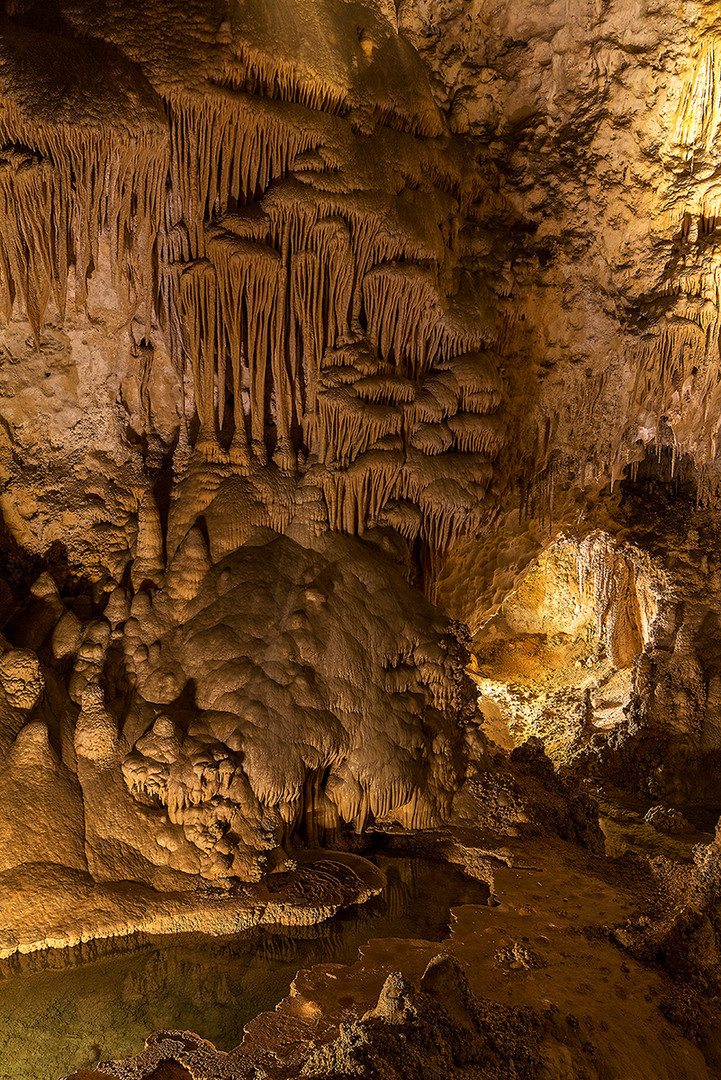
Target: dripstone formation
246 268
360 397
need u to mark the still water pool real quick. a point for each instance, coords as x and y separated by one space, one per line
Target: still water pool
69 1009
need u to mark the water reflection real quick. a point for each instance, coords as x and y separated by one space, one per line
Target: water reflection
71 1008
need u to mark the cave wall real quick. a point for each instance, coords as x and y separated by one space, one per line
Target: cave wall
294 292
238 339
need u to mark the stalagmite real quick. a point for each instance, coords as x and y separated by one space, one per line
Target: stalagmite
149 562
188 567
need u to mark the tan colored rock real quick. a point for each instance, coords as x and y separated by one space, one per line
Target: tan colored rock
41 813
21 678
67 636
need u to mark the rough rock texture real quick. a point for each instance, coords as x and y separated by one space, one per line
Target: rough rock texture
149 738
329 328
597 122
236 330
559 978
310 281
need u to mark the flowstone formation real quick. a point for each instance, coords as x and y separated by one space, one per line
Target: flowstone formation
252 397
284 693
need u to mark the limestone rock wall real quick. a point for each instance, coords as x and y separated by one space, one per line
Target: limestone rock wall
400 272
597 122
238 335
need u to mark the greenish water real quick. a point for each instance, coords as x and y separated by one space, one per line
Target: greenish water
71 1008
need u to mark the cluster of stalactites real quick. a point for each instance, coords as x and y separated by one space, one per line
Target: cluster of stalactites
226 150
262 279
336 282
285 274
694 194
623 604
230 309
58 198
413 454
401 415
261 75
677 380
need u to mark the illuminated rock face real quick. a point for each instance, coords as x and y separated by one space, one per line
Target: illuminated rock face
239 336
330 327
599 123
378 295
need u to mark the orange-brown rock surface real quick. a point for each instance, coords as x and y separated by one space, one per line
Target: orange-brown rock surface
360 392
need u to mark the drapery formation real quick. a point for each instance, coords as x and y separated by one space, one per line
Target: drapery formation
305 285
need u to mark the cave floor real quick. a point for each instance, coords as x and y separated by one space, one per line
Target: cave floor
544 945
551 940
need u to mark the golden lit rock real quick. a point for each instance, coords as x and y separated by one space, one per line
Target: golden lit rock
360 397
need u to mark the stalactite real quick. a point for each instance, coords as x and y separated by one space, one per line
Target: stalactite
389 389
84 182
437 494
432 438
449 489
356 495
227 147
291 71
250 278
436 400
477 434
330 240
476 376
426 126
346 426
271 77
305 291
678 375
230 307
32 222
699 111
405 320
199 307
